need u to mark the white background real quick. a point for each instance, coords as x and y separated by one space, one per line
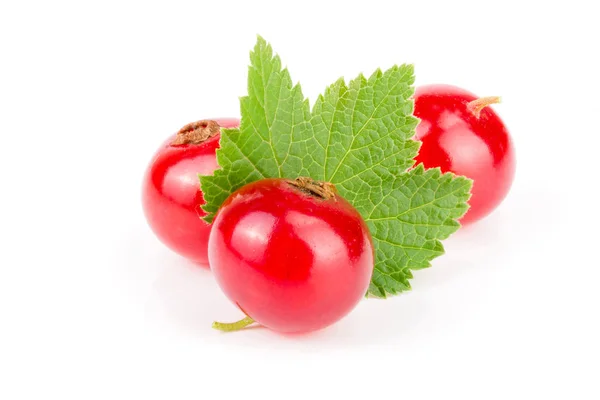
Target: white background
92 306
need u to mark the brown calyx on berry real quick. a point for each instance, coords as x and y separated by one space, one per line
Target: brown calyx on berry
196 132
318 189
476 106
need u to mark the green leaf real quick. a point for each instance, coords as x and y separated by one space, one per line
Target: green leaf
419 209
357 136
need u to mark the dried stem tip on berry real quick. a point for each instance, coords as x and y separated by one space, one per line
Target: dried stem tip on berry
323 190
196 132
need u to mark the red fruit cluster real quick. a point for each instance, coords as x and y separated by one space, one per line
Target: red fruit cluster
292 254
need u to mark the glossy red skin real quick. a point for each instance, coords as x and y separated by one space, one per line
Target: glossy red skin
290 261
457 141
171 195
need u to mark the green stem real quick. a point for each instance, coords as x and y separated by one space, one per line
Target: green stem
233 326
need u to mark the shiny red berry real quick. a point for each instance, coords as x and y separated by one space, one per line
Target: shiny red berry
463 135
293 255
171 194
